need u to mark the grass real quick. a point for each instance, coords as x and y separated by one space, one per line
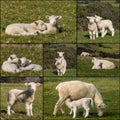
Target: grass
108 87
31 51
20 108
84 66
83 37
29 11
53 72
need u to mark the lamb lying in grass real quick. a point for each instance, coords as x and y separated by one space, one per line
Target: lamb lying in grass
25 96
102 64
52 26
77 104
103 25
26 29
85 54
92 28
10 64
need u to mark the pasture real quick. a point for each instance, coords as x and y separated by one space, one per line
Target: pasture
107 86
20 108
29 11
31 51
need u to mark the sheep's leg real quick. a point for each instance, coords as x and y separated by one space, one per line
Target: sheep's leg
12 108
71 111
102 32
96 34
8 109
112 31
93 35
27 107
31 113
90 34
87 111
74 112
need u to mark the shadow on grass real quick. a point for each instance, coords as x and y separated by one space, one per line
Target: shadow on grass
54 72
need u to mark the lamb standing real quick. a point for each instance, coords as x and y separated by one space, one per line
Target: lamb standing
76 90
103 25
77 104
25 96
92 28
25 29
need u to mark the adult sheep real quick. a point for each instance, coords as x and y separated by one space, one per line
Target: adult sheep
76 90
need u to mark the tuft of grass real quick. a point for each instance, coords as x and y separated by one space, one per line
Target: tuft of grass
107 86
83 37
30 11
31 51
20 107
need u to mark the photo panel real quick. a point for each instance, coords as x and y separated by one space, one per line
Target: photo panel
20 94
101 89
35 21
98 59
21 60
97 21
60 60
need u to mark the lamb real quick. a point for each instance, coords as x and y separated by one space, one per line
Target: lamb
85 54
10 66
102 64
77 104
52 26
25 65
92 28
61 64
25 96
76 90
103 25
18 29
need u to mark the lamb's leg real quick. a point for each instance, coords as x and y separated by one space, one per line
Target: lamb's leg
93 35
31 113
96 33
112 31
12 108
90 34
74 112
71 111
87 111
102 32
27 107
8 109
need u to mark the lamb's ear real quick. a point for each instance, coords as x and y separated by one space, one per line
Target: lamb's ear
87 17
36 23
26 84
38 84
47 16
29 61
59 17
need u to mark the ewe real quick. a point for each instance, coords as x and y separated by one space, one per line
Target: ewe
92 28
103 25
26 96
26 29
76 90
77 104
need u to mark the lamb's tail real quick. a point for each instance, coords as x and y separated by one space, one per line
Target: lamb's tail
91 102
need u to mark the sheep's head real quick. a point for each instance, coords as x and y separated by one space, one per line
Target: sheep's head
53 19
60 54
91 19
32 86
98 18
24 61
13 58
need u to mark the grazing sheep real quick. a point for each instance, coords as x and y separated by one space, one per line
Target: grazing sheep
85 54
26 29
52 26
103 25
102 64
77 104
61 64
76 90
92 28
26 96
10 66
25 65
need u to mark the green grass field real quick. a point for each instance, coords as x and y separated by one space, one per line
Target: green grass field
69 72
29 11
83 37
20 107
108 87
84 66
31 51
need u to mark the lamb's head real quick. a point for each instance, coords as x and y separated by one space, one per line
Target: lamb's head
97 64
32 86
24 61
53 19
60 54
58 61
91 19
40 25
68 100
100 108
13 58
98 18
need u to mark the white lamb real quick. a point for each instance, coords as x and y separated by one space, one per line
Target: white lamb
92 28
52 26
26 29
85 54
103 25
25 65
77 104
61 64
76 90
102 64
10 66
25 96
